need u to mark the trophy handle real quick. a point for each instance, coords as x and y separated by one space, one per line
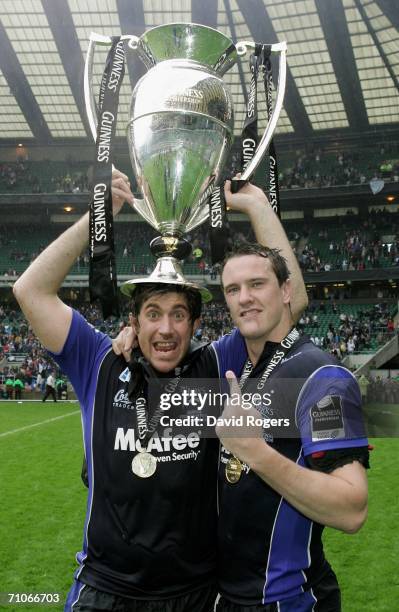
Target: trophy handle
271 126
90 100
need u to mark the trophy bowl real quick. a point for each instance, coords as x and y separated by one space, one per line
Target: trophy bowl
179 132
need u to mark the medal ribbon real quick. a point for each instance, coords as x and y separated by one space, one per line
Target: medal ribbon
147 426
234 466
279 354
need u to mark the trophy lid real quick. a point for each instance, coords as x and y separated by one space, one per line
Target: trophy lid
167 271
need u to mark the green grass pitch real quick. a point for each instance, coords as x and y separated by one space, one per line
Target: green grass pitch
43 506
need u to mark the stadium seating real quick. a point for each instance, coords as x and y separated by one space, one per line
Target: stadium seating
298 169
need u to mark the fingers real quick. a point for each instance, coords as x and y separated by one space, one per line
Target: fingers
118 343
122 194
118 174
233 383
120 183
125 342
127 355
116 347
130 340
121 186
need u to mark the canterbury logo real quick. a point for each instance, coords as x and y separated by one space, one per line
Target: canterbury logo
121 400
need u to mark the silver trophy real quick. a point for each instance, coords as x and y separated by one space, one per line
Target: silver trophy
180 131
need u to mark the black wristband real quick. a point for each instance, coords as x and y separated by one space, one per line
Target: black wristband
332 459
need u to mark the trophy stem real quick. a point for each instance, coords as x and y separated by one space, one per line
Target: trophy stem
170 246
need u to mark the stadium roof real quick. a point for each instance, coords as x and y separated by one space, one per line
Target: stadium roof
343 61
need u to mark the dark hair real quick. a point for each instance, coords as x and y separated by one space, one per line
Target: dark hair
278 262
145 291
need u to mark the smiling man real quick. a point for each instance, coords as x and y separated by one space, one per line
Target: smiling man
165 319
150 529
280 484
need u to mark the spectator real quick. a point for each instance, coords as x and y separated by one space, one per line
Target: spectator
50 387
363 384
18 387
9 388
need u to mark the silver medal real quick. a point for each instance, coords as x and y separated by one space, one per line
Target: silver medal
144 465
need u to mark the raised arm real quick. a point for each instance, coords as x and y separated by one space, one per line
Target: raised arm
36 290
269 232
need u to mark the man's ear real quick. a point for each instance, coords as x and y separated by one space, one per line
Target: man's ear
287 289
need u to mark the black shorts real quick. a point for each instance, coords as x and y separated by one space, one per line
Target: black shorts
92 600
323 597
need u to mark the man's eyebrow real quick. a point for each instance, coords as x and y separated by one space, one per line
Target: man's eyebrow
152 305
177 306
158 307
248 280
229 285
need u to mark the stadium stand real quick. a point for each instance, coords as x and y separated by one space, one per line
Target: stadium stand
339 328
349 243
300 169
355 241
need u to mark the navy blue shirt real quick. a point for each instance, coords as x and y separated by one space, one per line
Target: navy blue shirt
269 551
144 538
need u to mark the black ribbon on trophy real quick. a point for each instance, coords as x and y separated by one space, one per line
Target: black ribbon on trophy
220 235
249 136
274 192
219 229
102 273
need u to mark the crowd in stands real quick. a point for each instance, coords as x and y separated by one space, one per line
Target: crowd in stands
368 328
319 169
24 358
350 243
346 243
76 182
383 391
304 169
15 173
24 176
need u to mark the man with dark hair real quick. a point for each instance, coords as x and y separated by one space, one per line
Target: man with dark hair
278 262
144 292
302 464
149 542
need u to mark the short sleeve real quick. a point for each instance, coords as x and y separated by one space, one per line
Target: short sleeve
231 353
81 356
329 411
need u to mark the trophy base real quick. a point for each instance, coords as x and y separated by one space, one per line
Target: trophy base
167 271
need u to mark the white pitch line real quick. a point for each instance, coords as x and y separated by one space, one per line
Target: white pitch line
62 416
